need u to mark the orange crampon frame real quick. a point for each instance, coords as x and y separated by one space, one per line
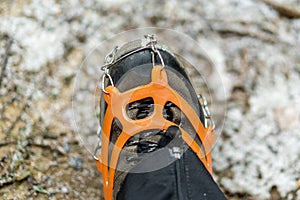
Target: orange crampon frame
161 92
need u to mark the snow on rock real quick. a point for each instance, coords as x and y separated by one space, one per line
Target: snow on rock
261 148
214 52
40 33
39 46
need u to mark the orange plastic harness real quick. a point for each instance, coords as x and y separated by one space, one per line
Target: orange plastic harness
161 93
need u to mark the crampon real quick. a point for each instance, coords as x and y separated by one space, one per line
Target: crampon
156 132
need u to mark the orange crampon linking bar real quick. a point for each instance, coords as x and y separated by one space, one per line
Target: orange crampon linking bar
161 92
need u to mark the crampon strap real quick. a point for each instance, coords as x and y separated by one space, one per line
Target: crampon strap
161 92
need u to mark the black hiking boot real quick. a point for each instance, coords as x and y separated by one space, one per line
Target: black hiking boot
156 136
